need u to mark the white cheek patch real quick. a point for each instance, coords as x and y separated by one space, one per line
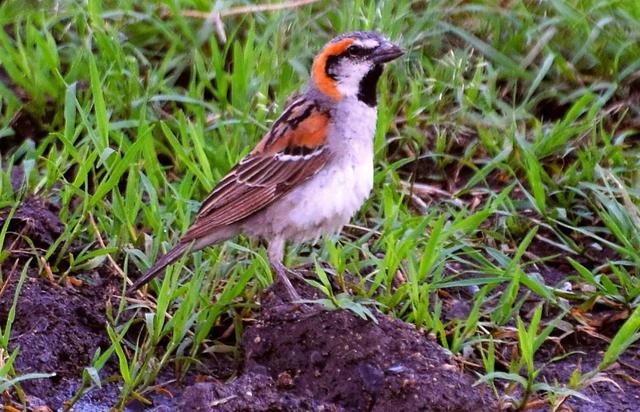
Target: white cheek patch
348 84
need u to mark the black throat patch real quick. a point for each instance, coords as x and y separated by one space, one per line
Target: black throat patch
367 91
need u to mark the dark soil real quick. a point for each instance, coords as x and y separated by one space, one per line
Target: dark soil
35 219
615 389
311 359
57 330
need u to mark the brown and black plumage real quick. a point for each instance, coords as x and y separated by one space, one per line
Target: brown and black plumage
313 169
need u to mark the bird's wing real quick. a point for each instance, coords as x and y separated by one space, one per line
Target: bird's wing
290 153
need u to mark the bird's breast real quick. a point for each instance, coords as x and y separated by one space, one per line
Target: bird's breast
326 202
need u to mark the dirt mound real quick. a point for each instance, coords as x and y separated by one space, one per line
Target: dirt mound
57 329
301 359
35 219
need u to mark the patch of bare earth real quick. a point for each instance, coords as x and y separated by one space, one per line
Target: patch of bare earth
311 359
57 328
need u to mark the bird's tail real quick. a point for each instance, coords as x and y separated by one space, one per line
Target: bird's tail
158 267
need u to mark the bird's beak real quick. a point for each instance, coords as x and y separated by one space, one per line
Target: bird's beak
386 52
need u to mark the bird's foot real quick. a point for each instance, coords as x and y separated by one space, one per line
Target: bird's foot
281 272
294 273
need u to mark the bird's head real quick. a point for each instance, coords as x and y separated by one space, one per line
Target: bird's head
350 65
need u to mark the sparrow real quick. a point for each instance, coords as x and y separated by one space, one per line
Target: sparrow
311 171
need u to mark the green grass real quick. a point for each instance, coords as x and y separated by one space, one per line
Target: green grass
506 142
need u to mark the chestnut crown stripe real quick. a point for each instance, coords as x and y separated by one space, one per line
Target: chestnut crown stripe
324 83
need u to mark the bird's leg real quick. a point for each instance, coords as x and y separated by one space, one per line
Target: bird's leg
275 252
281 272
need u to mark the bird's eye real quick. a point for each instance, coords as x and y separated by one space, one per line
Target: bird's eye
355 50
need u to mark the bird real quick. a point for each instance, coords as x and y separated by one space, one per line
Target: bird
311 171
